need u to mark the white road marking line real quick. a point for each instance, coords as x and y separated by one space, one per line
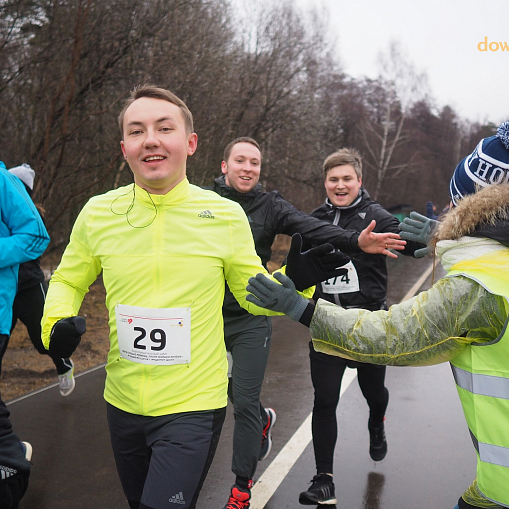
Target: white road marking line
43 389
276 472
419 283
271 479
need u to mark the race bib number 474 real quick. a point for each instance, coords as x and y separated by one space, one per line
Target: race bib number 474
346 283
154 336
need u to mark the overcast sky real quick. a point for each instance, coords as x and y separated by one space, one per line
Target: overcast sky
439 37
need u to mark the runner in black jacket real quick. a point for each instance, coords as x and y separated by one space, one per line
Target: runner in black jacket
247 337
31 295
349 207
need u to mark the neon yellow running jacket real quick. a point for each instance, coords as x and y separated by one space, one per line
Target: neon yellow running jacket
160 251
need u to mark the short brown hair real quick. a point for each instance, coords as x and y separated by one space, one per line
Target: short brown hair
156 93
340 158
243 139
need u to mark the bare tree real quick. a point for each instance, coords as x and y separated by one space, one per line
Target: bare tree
80 59
67 66
398 86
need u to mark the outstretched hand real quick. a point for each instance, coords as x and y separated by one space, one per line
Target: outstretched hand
282 298
420 229
379 243
66 336
315 265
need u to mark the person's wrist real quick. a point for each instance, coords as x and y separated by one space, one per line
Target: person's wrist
307 316
297 308
354 242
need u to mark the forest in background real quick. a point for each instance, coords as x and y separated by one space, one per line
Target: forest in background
66 67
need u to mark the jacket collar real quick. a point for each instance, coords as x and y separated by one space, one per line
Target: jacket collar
363 195
173 198
451 252
226 190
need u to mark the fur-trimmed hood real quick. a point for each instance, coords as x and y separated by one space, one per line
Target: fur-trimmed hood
483 214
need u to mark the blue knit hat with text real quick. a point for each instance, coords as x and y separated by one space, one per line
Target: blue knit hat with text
487 164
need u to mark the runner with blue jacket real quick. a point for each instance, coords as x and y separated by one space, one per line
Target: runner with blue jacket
23 237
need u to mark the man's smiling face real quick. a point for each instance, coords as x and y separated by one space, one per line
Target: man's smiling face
342 185
156 144
242 170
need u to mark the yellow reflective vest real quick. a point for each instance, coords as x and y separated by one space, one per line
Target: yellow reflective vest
160 251
481 372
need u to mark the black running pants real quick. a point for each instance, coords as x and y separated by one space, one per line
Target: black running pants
28 308
327 373
162 461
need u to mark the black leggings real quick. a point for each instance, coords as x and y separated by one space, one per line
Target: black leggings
28 308
327 373
12 460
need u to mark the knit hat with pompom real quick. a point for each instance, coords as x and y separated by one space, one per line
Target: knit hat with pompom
487 164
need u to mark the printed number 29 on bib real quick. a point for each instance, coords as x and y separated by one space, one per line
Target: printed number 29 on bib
346 283
154 336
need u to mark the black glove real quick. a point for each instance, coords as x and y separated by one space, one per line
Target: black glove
66 336
12 489
315 265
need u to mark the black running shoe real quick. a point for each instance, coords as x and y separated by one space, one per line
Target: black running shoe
321 491
377 442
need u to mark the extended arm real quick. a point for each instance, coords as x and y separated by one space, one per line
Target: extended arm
428 329
69 284
245 263
314 231
431 328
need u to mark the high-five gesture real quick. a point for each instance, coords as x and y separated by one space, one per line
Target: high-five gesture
380 243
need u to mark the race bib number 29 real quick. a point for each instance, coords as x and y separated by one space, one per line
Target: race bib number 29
154 336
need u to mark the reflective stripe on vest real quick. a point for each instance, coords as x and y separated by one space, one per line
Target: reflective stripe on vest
484 385
489 453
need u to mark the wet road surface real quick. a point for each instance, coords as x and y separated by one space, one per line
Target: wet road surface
430 458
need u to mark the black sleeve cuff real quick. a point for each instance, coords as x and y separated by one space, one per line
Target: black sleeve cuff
464 505
306 317
354 242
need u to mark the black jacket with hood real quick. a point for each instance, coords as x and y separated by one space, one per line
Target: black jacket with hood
371 268
268 214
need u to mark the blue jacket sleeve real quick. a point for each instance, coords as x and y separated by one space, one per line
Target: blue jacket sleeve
23 236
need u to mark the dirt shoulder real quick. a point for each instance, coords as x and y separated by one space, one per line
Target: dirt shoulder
24 369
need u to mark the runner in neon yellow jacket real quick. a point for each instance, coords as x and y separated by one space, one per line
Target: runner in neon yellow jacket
165 249
164 265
